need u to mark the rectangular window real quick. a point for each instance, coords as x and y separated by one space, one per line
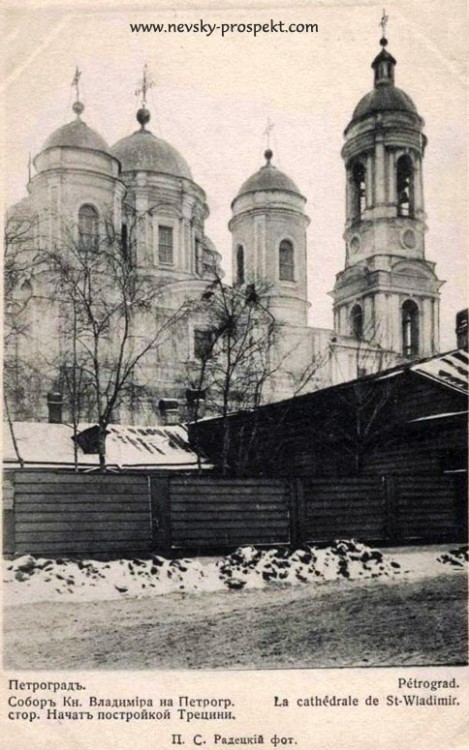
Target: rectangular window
202 343
165 245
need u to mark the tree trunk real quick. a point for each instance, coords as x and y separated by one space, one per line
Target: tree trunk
102 447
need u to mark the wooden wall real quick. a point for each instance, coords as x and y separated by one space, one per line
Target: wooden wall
218 512
8 515
60 514
396 509
318 434
350 507
428 507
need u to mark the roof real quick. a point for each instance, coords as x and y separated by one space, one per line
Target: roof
142 151
268 178
382 99
44 444
447 415
450 369
76 134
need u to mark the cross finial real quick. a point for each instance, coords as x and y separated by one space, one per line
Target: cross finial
383 23
145 85
76 82
270 126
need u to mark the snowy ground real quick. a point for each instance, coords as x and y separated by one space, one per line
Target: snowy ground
28 579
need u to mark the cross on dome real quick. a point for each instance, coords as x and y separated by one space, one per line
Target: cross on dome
383 23
143 115
78 106
145 85
270 126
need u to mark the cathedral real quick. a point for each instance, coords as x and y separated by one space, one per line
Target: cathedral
385 299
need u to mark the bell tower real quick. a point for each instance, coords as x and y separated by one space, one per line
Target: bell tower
388 293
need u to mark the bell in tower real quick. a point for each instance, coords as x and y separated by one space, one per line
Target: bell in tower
386 273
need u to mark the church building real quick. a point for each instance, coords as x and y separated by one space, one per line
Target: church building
385 300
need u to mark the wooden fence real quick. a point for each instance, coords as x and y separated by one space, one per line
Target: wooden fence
392 509
218 512
349 507
56 514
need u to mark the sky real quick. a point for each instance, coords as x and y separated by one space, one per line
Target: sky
213 96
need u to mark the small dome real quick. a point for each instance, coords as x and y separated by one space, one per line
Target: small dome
383 99
76 134
142 151
268 178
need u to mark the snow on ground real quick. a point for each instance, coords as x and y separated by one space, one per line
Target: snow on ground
429 560
31 579
457 558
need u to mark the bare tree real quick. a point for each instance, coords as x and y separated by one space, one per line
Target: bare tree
360 419
20 378
111 319
234 351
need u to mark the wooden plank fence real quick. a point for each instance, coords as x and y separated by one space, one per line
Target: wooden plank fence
59 514
81 514
219 512
344 508
428 507
395 509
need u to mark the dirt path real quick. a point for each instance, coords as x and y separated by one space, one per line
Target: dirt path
336 624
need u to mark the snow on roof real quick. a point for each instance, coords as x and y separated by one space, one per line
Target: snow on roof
446 415
44 444
451 369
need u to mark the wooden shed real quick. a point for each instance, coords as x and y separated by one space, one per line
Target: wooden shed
410 419
381 456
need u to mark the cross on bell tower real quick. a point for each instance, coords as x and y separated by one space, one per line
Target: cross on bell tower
383 23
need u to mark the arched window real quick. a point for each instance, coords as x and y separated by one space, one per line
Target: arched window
286 261
356 318
88 227
405 186
359 189
240 265
410 329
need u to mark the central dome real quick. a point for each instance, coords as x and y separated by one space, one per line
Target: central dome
268 177
142 151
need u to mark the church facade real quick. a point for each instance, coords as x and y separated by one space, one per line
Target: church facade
385 300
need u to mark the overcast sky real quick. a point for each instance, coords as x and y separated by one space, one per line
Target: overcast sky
212 98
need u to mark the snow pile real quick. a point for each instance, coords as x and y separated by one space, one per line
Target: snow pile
249 567
457 558
32 579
